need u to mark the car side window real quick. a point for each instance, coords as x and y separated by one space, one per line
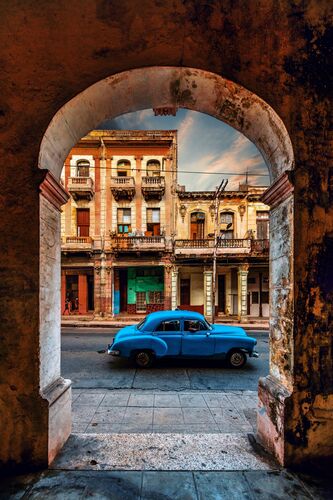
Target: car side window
194 325
168 326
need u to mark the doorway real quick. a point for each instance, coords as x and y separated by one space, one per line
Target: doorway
221 293
123 289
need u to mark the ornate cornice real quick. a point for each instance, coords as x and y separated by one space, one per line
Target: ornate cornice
53 191
279 191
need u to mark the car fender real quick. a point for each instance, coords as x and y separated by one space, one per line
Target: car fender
127 345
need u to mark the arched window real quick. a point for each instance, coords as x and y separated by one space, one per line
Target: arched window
197 225
82 168
123 168
153 168
227 225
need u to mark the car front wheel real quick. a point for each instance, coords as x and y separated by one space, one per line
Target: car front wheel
144 359
236 359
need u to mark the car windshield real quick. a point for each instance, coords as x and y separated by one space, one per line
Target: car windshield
140 325
209 326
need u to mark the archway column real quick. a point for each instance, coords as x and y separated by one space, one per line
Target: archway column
55 390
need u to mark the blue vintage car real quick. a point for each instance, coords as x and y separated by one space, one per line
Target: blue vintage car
184 334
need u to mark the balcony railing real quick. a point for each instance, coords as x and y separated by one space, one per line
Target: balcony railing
76 243
81 187
153 187
123 187
229 246
138 243
260 246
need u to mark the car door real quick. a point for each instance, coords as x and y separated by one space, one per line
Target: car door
197 339
171 333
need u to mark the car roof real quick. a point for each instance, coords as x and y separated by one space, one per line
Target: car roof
156 317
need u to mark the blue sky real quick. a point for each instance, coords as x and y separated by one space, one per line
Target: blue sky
205 144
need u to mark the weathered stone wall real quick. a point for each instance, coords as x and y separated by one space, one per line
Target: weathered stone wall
278 51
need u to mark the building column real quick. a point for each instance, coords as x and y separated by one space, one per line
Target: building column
174 288
228 292
208 296
243 271
108 289
97 287
167 287
83 293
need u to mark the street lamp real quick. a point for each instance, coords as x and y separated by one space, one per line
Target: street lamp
217 199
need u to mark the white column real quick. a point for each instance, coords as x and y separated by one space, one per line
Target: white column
243 271
228 296
174 288
208 288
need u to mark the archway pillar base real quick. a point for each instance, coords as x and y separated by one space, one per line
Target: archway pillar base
59 398
295 427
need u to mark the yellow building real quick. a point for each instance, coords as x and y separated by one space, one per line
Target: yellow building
242 245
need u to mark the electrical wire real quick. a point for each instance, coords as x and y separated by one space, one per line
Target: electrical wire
201 172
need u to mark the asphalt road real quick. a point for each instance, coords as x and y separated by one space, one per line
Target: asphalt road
86 363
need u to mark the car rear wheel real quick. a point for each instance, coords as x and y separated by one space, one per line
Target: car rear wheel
236 359
144 359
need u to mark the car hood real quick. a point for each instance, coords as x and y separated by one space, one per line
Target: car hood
228 330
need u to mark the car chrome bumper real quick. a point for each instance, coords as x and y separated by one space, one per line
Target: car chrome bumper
254 354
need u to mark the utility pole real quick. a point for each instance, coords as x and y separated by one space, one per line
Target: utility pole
218 194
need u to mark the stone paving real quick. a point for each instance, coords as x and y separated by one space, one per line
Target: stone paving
101 411
160 485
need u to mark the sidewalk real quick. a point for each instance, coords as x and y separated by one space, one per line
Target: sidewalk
91 322
150 445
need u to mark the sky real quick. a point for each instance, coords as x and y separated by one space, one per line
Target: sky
205 144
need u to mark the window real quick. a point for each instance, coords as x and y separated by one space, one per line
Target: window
124 220
252 280
226 229
226 218
262 225
197 225
153 168
153 222
194 325
264 298
255 298
168 326
123 168
82 168
155 297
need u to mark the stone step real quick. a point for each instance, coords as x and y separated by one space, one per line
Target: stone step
163 452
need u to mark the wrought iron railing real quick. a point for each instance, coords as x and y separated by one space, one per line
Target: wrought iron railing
260 246
256 246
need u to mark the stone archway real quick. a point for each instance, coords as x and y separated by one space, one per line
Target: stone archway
164 87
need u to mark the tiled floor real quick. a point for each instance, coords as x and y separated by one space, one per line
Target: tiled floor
102 411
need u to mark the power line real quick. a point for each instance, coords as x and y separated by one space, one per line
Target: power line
201 172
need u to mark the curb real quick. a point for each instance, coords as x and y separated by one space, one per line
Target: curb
83 324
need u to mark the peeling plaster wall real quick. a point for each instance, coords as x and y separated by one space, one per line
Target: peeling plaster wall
279 51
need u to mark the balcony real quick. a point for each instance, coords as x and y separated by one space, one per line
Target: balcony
238 246
123 188
81 188
153 187
76 243
260 247
138 243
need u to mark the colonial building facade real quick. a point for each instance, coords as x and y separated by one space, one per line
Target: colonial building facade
133 241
